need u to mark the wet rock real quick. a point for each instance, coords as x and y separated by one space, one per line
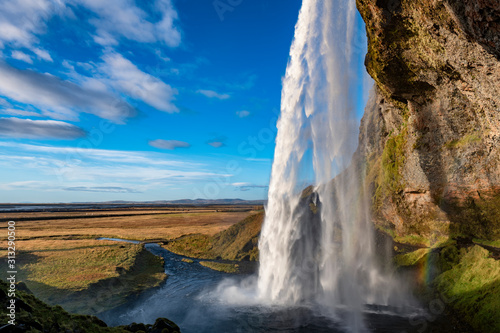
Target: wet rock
134 327
163 325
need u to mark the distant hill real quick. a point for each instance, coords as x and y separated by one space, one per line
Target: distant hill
195 202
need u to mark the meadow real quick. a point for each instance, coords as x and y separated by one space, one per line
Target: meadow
60 260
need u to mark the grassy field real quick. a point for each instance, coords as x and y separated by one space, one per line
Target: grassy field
221 267
60 260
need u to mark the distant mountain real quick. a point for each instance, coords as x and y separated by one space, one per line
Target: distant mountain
195 202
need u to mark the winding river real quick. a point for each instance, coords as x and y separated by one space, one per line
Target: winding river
199 300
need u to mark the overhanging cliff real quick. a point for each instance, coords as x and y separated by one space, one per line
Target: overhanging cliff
430 136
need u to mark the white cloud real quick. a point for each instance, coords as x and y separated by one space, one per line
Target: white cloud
77 187
4 102
247 186
107 189
101 166
117 19
22 56
42 54
125 76
242 114
213 94
169 144
241 184
104 155
17 112
21 21
60 99
39 129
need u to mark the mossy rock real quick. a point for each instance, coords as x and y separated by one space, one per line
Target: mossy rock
473 286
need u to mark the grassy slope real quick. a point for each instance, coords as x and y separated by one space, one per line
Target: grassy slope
221 267
74 272
468 277
474 287
33 315
238 242
38 316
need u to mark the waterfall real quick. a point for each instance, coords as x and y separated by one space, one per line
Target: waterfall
316 244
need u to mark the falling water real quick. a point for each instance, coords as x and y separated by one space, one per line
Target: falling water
317 244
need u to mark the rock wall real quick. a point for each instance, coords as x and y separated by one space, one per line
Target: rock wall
430 136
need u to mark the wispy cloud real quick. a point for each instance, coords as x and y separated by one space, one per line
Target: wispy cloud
126 77
168 144
22 21
116 19
18 112
107 189
213 94
247 186
39 129
60 99
102 155
243 113
42 54
49 186
22 56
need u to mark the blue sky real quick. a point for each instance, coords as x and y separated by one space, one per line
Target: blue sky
145 100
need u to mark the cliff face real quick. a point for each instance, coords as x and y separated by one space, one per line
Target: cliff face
430 137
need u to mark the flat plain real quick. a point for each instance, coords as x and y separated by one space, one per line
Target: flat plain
60 259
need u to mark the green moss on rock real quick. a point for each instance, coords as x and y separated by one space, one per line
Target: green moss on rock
473 285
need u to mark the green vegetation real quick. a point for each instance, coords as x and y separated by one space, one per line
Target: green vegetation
39 317
473 285
76 269
62 263
468 277
464 141
393 158
413 239
238 242
72 272
410 259
221 267
36 316
384 172
494 243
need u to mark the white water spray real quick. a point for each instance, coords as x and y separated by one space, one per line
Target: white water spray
317 246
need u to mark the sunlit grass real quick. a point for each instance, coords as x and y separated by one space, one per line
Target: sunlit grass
221 267
473 285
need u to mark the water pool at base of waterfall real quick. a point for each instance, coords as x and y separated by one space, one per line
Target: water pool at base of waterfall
191 297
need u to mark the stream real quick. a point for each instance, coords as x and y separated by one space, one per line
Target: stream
199 299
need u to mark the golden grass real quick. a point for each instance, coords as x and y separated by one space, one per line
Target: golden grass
61 261
221 267
144 227
78 268
44 244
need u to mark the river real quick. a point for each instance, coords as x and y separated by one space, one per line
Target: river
192 298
